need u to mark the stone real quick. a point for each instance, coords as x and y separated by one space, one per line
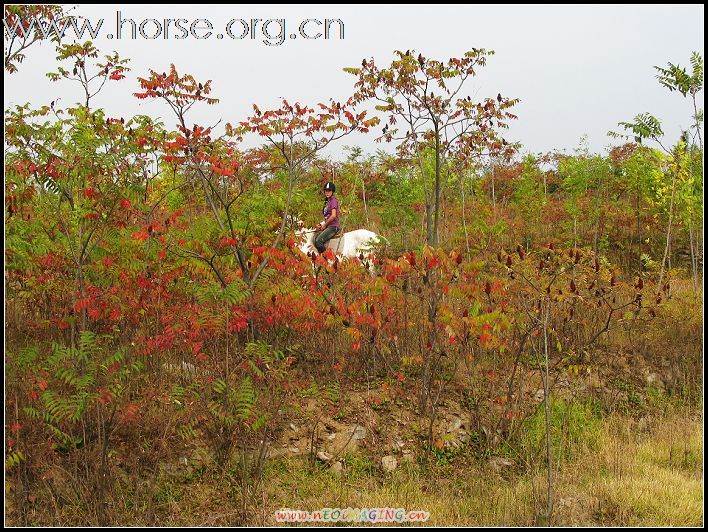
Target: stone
454 443
277 453
497 463
644 424
652 379
454 425
389 463
325 457
346 441
336 468
359 432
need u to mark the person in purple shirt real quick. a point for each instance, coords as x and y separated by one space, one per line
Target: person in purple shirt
330 225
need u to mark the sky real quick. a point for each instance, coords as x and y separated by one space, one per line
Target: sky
578 70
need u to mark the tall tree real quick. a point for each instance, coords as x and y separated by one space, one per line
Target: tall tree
424 95
645 126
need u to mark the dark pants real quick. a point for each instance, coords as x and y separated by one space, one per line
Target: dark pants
322 238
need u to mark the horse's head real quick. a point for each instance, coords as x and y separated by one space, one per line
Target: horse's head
294 221
306 239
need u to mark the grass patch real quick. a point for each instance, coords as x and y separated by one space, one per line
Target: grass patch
611 473
574 428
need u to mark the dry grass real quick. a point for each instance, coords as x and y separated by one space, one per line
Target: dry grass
634 476
635 473
650 479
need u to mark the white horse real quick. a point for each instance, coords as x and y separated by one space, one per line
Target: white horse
350 244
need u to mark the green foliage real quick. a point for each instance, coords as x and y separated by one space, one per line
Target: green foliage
574 425
645 126
676 78
81 376
528 196
13 459
395 198
444 455
235 293
262 358
642 172
234 406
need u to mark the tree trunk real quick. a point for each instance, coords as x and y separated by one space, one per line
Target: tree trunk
546 400
694 257
437 185
668 231
464 221
363 195
639 235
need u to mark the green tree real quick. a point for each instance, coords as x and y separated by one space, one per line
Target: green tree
585 180
424 108
645 126
528 197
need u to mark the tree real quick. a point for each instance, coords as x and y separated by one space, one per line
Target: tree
676 78
450 124
298 133
78 166
27 24
529 198
646 126
585 177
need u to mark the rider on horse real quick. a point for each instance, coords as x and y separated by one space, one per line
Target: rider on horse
330 225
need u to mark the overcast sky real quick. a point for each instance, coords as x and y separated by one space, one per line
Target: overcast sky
577 70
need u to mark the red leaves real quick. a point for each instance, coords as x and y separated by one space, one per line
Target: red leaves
117 74
238 321
140 235
82 304
104 396
91 193
179 90
297 121
130 413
